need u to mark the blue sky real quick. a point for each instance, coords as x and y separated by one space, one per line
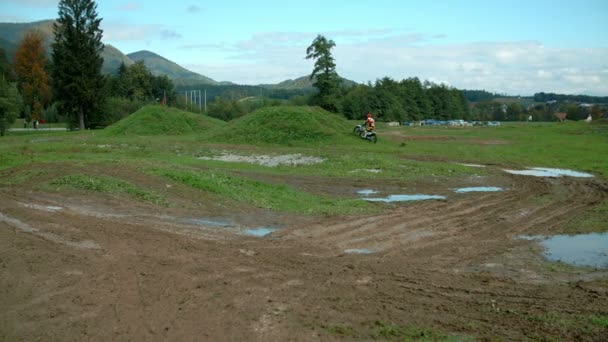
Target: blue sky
513 47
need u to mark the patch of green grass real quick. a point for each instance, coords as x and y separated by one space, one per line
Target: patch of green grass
283 125
571 145
592 221
107 185
340 329
412 333
160 120
561 267
261 194
600 321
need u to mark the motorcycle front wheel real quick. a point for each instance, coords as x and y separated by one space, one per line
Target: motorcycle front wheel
373 138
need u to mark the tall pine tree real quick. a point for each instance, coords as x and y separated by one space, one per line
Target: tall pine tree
77 79
324 74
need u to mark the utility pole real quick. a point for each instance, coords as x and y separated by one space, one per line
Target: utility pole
205 100
200 103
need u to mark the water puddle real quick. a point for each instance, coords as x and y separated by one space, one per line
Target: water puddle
359 251
17 224
211 223
366 170
472 165
549 172
579 250
404 198
264 160
233 227
367 192
49 208
479 189
259 232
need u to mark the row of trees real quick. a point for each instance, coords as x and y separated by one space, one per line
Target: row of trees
390 100
406 100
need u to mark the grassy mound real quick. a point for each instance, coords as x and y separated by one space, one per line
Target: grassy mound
284 125
159 120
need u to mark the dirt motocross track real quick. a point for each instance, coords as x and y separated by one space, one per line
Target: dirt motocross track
78 266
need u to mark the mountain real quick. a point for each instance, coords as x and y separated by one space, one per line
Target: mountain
159 65
12 33
112 58
303 82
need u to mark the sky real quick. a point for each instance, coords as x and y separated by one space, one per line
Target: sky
509 46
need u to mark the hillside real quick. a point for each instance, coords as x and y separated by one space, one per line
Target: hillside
12 33
162 66
284 125
303 82
159 120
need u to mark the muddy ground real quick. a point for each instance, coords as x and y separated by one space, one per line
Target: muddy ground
80 266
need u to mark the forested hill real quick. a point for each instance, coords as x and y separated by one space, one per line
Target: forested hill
544 97
303 82
161 66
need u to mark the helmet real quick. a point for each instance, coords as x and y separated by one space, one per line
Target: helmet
369 115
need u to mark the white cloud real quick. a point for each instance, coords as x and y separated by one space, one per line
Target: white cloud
114 31
516 68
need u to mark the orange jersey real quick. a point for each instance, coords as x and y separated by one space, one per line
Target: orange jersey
370 122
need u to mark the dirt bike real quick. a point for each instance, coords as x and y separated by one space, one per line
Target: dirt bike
364 134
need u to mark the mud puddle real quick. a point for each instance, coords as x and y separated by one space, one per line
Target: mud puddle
24 227
233 227
578 250
549 172
265 160
359 251
404 198
367 192
472 165
478 189
49 208
211 223
259 232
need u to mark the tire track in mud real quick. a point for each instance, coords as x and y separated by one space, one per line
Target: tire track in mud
484 220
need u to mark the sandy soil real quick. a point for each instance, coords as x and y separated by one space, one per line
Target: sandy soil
78 266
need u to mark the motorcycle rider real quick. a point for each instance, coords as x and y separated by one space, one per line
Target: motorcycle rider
370 123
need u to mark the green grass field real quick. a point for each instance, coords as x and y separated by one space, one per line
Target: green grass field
167 143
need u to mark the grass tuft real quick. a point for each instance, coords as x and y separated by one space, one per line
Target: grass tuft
107 185
261 194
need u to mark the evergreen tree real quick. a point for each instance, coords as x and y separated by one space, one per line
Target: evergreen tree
77 61
10 104
324 74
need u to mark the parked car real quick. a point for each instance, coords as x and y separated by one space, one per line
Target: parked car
493 123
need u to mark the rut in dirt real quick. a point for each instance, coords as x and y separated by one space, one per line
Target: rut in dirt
482 220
